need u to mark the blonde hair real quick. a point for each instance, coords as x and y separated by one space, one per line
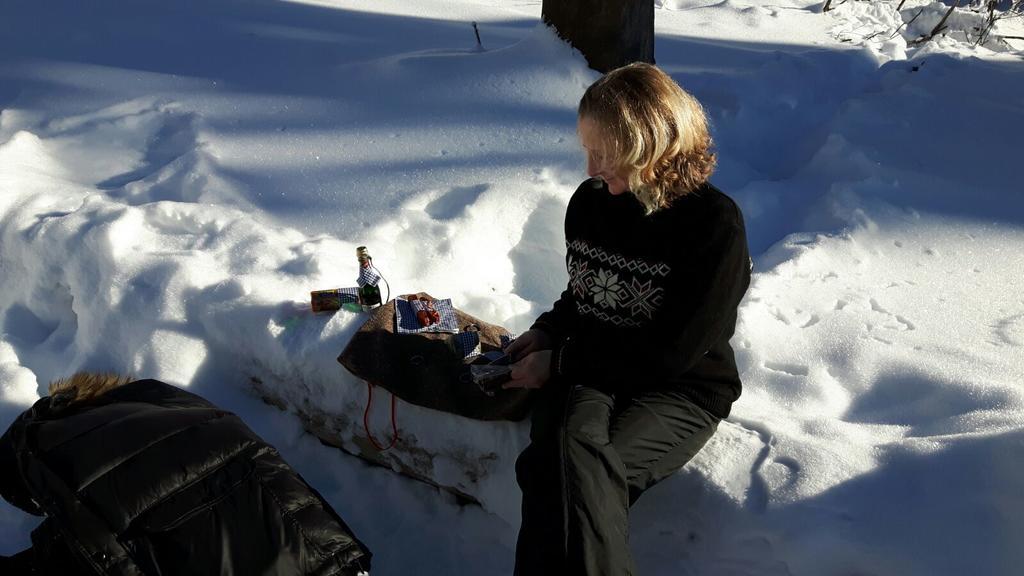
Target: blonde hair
656 133
85 386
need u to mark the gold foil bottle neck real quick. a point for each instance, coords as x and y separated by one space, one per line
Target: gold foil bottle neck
363 255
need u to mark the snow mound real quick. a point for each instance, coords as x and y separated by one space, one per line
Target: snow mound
188 292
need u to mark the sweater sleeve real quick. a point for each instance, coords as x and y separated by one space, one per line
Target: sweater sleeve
559 321
699 310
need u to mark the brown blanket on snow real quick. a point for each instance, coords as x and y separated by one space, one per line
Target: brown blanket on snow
424 370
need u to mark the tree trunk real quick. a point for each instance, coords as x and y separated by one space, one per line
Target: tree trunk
609 33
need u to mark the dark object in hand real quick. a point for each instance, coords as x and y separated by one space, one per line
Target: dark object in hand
490 371
490 377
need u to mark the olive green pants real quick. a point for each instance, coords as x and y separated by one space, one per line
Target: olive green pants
591 455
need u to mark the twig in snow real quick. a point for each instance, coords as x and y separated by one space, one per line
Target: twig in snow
1014 10
938 27
990 22
479 44
897 31
921 11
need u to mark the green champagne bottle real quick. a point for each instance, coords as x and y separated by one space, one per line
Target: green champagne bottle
369 293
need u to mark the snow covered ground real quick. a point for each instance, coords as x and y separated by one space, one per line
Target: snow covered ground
175 177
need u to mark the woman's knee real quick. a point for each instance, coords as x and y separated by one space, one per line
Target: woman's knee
587 432
572 448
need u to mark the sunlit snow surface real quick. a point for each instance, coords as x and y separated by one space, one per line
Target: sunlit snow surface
176 177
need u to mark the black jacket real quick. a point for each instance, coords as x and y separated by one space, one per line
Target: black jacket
151 479
651 299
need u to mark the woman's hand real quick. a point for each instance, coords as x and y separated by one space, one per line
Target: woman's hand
527 343
532 371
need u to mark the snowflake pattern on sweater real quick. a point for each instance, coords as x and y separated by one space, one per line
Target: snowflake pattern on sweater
612 288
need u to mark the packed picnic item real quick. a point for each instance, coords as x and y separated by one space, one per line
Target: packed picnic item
333 299
432 366
369 293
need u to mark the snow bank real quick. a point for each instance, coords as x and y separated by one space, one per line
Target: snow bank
179 291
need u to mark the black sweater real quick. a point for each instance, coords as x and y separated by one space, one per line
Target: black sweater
651 299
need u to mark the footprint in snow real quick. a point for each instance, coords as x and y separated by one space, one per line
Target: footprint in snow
176 136
781 317
902 324
452 203
1010 330
788 368
814 319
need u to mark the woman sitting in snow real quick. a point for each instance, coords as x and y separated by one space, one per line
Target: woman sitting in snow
633 361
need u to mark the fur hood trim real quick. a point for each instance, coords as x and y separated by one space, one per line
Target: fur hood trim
85 386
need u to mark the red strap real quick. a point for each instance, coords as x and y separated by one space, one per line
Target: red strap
366 420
